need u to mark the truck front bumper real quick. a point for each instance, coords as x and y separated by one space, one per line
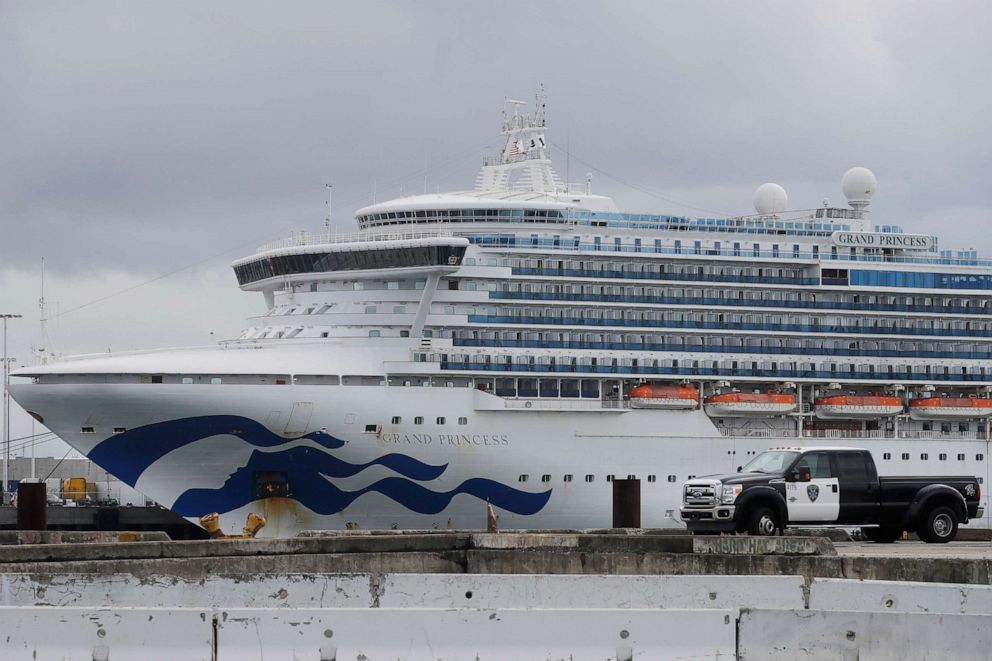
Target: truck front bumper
715 519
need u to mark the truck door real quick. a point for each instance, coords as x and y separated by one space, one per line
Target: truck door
859 494
817 500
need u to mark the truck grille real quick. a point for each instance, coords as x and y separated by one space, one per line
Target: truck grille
699 496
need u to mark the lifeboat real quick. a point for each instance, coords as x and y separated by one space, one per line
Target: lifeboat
649 396
858 406
740 404
949 408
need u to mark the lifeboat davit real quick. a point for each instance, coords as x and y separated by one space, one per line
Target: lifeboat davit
649 396
741 404
858 406
949 408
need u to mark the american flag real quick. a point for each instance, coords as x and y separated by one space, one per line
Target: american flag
514 148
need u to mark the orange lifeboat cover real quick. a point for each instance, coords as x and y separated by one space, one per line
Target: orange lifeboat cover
751 398
953 402
648 391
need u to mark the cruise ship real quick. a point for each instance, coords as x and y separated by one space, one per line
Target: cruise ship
525 344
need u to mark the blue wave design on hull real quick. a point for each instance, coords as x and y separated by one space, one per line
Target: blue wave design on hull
308 485
129 454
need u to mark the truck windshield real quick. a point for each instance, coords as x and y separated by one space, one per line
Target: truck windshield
770 462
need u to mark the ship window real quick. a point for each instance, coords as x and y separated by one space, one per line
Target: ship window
324 334
87 430
609 478
441 420
371 429
942 457
905 456
374 333
463 421
590 478
419 420
652 478
120 430
187 380
215 380
887 456
522 478
369 309
567 478
156 378
979 457
545 478
924 456
392 284
961 457
672 478
397 419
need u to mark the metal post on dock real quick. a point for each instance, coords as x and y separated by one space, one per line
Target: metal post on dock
6 407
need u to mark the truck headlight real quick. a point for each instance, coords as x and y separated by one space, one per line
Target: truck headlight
730 492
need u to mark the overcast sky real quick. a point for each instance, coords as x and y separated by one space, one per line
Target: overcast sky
141 139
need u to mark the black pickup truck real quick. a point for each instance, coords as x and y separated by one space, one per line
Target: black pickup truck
829 486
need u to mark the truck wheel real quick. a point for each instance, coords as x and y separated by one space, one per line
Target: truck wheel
882 535
762 522
939 526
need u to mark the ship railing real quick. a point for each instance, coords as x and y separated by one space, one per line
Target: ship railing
303 238
563 404
852 434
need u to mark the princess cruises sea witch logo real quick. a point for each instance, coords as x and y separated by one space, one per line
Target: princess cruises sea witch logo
306 462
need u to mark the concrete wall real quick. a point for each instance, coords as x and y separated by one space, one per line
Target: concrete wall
774 635
331 634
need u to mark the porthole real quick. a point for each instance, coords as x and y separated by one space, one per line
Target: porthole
652 478
609 478
397 419
905 456
87 430
631 477
120 430
672 478
961 457
979 457
522 478
441 420
942 457
419 420
887 456
924 456
567 478
590 478
463 421
545 478
371 429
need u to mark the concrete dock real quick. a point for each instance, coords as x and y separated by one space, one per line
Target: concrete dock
619 595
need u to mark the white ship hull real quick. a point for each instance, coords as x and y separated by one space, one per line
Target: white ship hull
410 476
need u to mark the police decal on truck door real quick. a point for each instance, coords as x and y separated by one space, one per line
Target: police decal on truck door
817 499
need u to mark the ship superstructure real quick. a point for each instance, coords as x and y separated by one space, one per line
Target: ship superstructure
525 344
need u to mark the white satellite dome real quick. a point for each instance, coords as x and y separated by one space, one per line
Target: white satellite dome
770 198
859 184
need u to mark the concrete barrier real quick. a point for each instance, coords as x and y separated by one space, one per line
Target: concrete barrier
148 634
899 597
564 591
209 592
483 635
772 635
30 634
763 545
